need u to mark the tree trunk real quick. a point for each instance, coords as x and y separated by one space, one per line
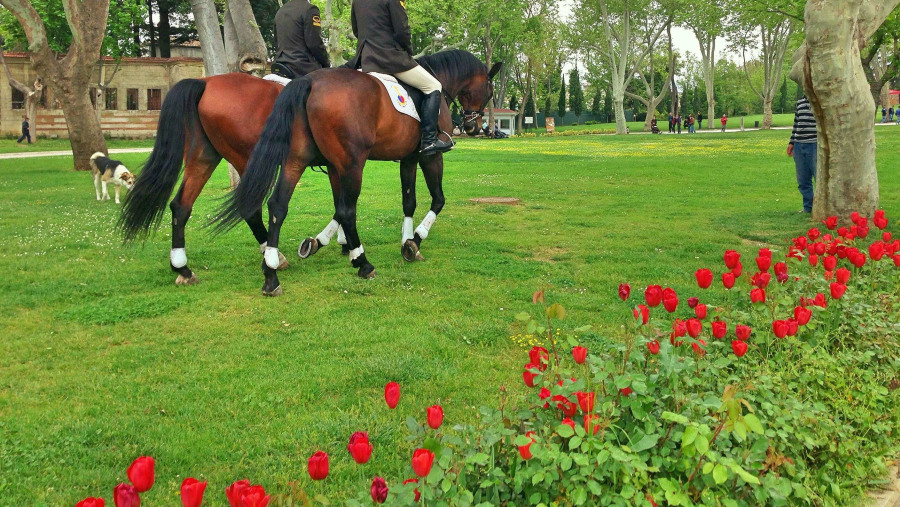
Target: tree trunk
619 107
85 133
164 31
252 55
767 113
829 68
152 28
334 29
207 21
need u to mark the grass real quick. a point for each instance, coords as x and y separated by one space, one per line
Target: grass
104 359
43 144
734 122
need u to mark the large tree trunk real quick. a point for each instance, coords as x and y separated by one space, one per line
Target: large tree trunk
164 30
619 108
70 76
207 21
251 48
767 113
829 68
334 29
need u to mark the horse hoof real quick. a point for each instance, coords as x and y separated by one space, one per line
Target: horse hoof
278 291
282 261
367 272
308 247
181 280
409 250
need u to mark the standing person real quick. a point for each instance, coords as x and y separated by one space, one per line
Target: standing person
26 130
298 30
691 125
803 147
724 121
883 114
671 123
891 113
384 44
700 121
678 123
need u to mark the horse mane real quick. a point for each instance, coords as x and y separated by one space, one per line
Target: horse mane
454 64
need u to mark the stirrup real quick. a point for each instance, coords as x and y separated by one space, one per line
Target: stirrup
426 150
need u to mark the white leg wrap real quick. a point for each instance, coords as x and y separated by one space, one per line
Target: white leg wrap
356 252
407 232
271 257
425 226
342 239
327 233
178 258
262 247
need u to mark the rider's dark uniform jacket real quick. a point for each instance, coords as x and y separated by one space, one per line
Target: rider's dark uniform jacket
298 29
382 31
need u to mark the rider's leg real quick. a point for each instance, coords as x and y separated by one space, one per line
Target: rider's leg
431 107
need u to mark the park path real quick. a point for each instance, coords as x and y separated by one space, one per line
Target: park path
68 153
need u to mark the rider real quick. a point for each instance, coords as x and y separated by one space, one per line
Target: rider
385 45
298 29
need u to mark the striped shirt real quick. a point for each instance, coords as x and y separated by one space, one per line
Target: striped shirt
804 124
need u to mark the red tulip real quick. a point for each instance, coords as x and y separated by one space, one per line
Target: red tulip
704 278
567 406
653 347
862 231
585 401
590 424
876 251
626 391
694 327
528 375
379 490
414 481
568 422
820 301
435 416
728 280
540 357
545 394
793 326
700 311
679 328
780 328
758 295
842 275
693 302
624 291
422 461
813 234
125 495
897 260
837 290
739 347
829 263
255 496
820 248
830 222
642 313
235 492
761 279
781 272
579 354
764 262
732 259
698 347
525 450
392 394
91 502
359 447
653 295
192 492
737 270
140 473
742 332
886 237
719 329
670 300
858 260
854 216
802 315
813 259
318 466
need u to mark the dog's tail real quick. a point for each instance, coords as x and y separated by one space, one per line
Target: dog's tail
97 155
146 202
270 153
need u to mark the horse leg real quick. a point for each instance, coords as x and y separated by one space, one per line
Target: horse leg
258 228
433 169
197 171
278 208
408 249
347 185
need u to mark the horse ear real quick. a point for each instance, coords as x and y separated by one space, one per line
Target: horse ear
494 70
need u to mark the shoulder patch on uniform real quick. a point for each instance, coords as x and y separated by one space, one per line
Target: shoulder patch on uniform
317 21
403 4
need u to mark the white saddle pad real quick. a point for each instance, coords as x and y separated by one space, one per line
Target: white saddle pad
283 81
399 97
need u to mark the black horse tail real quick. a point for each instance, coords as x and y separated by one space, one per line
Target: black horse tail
146 202
270 153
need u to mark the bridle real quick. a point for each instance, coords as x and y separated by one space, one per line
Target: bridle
469 115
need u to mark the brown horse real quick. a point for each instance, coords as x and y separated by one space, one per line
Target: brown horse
341 118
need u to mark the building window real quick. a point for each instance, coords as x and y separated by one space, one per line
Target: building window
131 99
18 99
154 99
112 99
504 124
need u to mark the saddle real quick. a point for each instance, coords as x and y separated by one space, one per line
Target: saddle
406 99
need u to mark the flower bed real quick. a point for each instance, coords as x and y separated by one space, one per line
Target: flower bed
774 384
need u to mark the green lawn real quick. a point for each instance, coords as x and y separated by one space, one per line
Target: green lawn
41 144
104 359
734 122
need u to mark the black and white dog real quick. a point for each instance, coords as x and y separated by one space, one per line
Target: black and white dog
106 170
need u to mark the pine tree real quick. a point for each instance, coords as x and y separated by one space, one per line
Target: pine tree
546 109
782 98
576 94
529 106
562 97
607 104
513 103
595 105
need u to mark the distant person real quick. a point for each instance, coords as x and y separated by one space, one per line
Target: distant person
456 130
691 122
724 121
26 130
700 121
883 114
298 31
678 123
891 113
671 123
803 146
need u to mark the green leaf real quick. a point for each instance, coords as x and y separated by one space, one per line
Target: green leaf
720 474
753 423
446 485
701 444
537 477
574 442
479 458
565 430
745 475
690 434
645 443
675 418
523 316
707 467
412 425
565 463
556 311
580 496
740 429
522 440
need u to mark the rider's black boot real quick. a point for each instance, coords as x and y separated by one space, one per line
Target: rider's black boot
431 107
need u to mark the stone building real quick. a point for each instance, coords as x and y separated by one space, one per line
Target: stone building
128 107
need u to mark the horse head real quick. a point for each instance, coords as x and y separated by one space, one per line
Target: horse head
465 79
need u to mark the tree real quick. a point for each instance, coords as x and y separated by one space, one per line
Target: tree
829 67
595 104
881 57
652 100
513 103
529 107
706 21
70 75
561 103
576 94
782 96
774 42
